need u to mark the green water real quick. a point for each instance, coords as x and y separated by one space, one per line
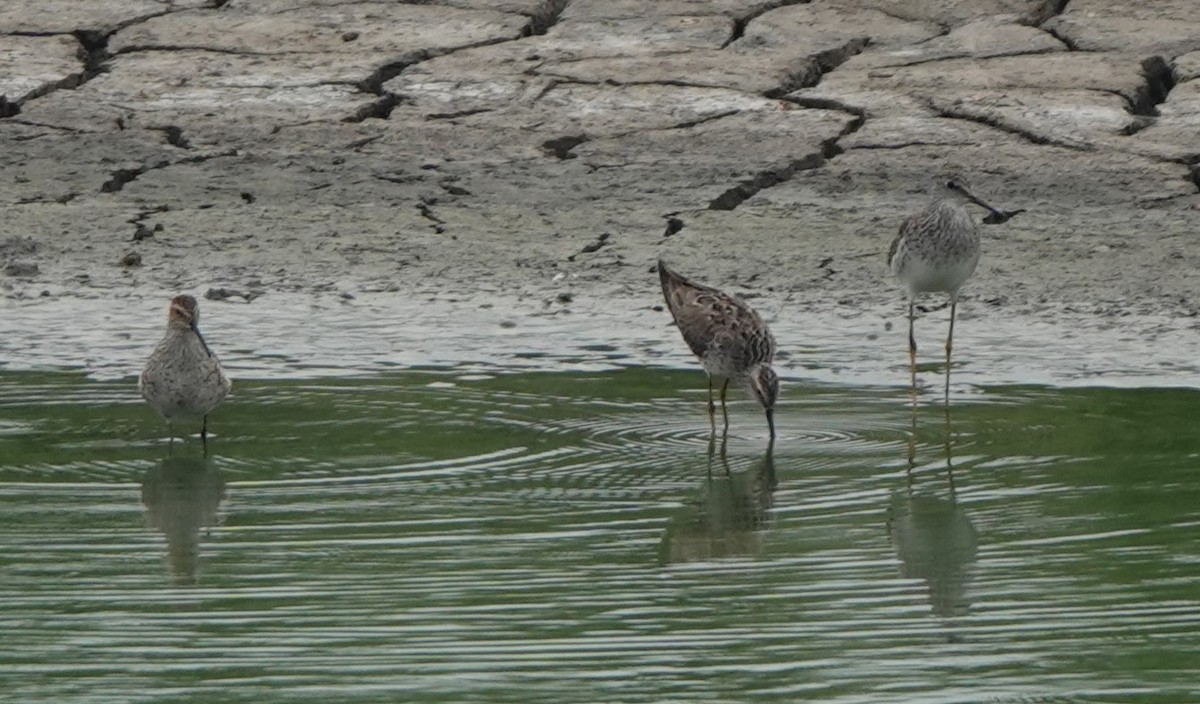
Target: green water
576 538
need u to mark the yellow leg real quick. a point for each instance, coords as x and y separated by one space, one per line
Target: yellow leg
724 411
912 443
950 345
912 346
949 452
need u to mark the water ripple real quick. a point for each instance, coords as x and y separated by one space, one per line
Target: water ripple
453 536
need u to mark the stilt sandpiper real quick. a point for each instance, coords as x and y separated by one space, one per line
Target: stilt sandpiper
183 380
731 340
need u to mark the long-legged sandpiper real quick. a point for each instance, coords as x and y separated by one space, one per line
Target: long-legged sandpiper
937 250
183 379
731 340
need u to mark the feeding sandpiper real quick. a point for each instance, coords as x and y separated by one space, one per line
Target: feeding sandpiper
731 340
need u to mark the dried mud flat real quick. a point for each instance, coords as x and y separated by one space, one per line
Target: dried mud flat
537 155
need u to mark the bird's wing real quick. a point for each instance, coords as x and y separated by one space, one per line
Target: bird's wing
710 318
908 228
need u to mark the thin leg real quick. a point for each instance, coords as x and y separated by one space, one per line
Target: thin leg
724 444
725 411
950 345
912 446
912 345
712 408
204 435
949 451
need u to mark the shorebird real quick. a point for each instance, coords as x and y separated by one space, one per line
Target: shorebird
731 340
937 250
183 380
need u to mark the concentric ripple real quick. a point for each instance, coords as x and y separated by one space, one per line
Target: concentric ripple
470 536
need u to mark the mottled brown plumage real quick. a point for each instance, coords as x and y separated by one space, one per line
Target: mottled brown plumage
730 339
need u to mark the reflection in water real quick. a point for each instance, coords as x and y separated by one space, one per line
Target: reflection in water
933 536
181 496
728 517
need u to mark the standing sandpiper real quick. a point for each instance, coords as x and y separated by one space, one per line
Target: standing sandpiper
937 250
183 380
731 340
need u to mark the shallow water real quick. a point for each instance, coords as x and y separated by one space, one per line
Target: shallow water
298 336
574 537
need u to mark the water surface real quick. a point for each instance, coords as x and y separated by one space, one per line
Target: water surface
580 537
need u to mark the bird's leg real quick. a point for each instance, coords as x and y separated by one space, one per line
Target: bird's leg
912 444
950 345
912 346
949 453
724 411
204 435
712 408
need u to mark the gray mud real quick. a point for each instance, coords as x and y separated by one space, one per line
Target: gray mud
389 183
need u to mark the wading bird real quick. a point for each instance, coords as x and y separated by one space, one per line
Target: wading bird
731 340
183 380
937 250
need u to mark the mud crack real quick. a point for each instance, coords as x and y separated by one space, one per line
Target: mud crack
818 65
1159 81
746 188
120 178
560 147
380 108
174 136
960 111
762 180
93 56
1048 9
740 22
373 84
541 21
1064 39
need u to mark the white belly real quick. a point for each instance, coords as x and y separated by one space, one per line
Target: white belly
923 276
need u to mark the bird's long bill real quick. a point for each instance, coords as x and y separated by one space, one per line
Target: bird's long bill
771 422
980 202
196 329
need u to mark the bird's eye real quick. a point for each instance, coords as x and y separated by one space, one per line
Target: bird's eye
952 185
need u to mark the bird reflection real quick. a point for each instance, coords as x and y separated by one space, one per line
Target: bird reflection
729 516
181 496
933 536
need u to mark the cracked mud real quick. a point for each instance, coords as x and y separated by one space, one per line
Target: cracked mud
466 150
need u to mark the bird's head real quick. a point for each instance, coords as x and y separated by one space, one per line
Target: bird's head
955 187
764 384
183 312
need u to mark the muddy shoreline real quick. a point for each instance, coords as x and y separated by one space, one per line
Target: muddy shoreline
536 156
